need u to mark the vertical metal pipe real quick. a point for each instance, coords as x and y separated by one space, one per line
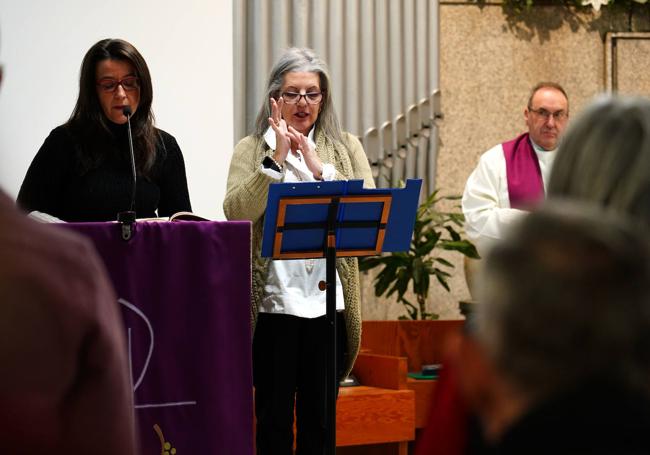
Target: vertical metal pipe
241 107
421 48
382 87
396 70
279 28
410 81
300 22
337 43
318 28
353 74
367 64
258 54
434 81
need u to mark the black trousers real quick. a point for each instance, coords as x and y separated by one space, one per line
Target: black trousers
289 367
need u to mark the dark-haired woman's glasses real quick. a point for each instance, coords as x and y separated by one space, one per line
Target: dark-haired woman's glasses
129 84
294 98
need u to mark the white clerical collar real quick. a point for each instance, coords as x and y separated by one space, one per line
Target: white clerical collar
269 138
536 147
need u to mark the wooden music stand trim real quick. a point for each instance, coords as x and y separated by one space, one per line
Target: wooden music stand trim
281 225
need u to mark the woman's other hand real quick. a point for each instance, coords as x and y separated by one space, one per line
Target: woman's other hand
313 162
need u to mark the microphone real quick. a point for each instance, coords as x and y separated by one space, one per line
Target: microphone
127 219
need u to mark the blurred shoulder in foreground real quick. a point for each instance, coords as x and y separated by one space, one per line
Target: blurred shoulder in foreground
65 385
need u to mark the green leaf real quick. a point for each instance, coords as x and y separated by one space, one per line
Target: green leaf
384 279
463 246
441 272
401 280
407 303
418 271
392 290
402 283
443 282
445 262
455 236
430 316
426 248
398 260
422 288
369 263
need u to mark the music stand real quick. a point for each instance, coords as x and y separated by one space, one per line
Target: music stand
337 219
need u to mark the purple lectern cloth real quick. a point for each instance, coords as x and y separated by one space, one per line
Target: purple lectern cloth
525 184
185 294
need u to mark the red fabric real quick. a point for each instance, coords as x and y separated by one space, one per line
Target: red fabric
446 432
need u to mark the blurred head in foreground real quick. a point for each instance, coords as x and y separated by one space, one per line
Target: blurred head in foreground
565 310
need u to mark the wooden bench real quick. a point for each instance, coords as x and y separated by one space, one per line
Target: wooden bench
379 416
390 349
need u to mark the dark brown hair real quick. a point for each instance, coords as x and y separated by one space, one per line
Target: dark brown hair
88 122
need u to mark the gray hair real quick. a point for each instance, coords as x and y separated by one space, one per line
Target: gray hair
605 157
566 299
300 60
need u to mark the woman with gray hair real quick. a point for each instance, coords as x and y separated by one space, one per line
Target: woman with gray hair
605 157
297 138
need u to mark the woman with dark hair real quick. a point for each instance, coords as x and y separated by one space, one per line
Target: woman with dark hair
297 138
82 172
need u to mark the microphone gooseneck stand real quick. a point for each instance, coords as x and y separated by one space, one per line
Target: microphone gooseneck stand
127 218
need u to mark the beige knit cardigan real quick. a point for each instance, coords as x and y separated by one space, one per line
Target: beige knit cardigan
246 196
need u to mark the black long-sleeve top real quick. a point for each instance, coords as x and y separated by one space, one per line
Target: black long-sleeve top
56 183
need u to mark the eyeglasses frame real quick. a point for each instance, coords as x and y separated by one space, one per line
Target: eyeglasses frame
558 116
119 83
301 95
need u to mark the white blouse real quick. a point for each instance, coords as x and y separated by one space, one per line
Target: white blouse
292 285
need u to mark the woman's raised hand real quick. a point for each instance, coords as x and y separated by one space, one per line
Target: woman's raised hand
282 136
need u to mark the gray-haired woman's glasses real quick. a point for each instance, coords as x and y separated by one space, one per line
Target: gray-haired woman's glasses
294 98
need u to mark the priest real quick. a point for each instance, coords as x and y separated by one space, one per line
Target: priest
511 177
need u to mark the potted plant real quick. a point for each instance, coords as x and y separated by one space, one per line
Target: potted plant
435 231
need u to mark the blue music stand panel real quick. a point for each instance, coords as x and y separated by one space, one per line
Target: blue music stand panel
309 231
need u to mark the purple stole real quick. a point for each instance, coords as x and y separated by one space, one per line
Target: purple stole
525 184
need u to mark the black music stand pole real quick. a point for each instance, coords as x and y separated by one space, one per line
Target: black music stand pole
330 308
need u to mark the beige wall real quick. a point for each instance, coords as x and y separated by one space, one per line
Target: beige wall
628 67
489 60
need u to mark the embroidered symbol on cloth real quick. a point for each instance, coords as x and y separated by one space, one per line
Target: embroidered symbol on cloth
165 446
